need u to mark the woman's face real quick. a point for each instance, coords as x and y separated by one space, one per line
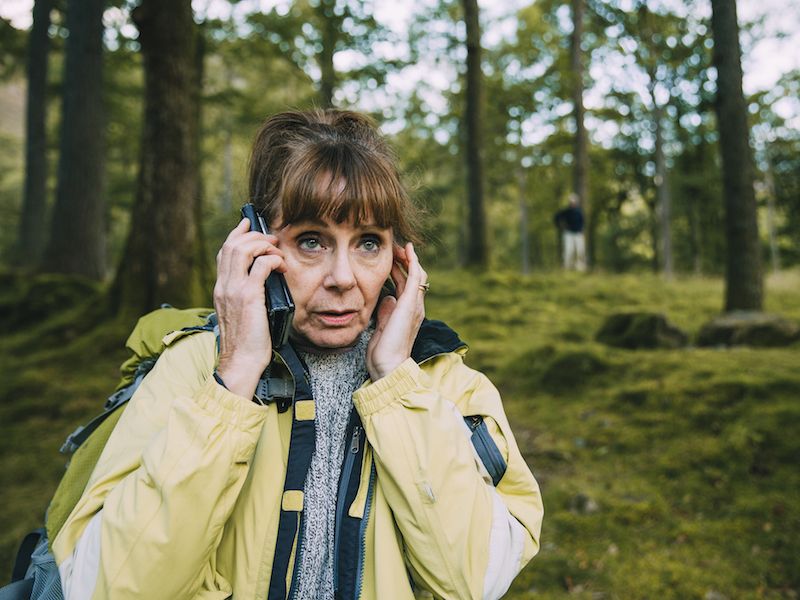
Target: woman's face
335 272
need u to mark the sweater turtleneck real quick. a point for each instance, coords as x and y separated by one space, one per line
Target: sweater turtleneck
334 375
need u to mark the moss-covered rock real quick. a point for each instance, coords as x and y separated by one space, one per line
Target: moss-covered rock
749 328
28 301
634 330
572 369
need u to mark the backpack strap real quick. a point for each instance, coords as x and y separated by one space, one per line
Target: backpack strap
24 553
487 450
301 449
17 590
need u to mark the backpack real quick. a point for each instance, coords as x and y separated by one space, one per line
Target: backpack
35 574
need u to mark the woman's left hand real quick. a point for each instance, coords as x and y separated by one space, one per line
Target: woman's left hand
398 319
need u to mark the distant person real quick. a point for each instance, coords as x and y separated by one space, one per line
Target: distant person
570 222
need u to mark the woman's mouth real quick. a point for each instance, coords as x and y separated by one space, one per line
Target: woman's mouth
337 318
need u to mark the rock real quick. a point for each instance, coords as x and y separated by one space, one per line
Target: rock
714 595
38 297
583 505
748 328
634 330
571 369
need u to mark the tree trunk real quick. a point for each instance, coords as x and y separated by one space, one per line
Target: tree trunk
77 231
743 277
477 246
580 173
663 197
164 256
523 222
226 198
203 265
695 236
774 253
327 83
31 237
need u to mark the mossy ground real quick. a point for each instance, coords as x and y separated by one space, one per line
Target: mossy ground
665 473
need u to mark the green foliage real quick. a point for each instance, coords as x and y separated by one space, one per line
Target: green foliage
11 174
12 50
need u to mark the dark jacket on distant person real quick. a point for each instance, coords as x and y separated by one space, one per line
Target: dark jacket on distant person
570 219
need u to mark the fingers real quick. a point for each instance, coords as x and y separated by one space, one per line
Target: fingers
241 247
415 270
264 265
399 277
416 274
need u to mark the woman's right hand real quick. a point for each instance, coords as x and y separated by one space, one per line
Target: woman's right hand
243 264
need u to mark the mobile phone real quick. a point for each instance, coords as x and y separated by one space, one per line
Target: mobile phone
280 306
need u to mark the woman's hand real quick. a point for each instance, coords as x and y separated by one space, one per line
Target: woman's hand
398 319
243 264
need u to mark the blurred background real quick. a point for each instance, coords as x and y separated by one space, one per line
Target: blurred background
653 388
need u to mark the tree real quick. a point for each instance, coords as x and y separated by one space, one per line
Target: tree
314 31
163 260
477 247
743 277
77 230
31 236
580 177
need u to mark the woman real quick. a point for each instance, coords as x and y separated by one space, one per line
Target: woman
370 482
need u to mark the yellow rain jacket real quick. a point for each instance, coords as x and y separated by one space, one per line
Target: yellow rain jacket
201 490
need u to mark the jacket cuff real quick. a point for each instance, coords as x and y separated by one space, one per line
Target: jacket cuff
376 396
231 409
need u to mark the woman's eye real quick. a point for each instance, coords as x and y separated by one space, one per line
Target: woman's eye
371 244
309 243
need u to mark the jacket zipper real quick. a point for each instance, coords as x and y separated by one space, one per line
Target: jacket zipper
297 556
362 534
349 461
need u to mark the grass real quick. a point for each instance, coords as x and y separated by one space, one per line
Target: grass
665 473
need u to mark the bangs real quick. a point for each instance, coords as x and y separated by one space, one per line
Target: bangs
340 183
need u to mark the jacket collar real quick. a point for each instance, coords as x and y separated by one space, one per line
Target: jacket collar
434 337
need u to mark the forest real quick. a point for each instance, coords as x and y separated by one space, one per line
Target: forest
668 463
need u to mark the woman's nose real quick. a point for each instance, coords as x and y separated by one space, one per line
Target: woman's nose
340 274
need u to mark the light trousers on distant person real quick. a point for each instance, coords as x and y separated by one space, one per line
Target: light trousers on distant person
574 251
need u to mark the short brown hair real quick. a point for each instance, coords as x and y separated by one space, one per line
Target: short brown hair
328 164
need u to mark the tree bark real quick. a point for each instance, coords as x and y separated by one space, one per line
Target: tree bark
523 222
663 197
774 253
328 28
477 245
580 172
163 258
31 237
743 276
78 231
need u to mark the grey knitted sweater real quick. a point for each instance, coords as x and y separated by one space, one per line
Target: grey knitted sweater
334 378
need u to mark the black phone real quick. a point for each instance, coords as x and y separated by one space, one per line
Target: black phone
280 306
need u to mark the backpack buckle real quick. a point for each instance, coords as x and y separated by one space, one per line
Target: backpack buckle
275 389
70 445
